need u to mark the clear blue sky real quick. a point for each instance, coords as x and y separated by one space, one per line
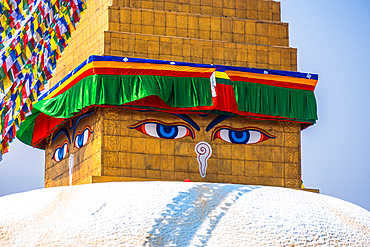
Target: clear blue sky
332 38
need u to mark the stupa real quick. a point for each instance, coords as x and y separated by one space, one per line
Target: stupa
192 110
173 90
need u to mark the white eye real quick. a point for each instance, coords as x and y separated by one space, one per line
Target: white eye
61 152
241 136
254 136
182 132
151 129
224 135
166 131
82 138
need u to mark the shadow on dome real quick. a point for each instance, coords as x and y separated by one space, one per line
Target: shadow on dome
202 204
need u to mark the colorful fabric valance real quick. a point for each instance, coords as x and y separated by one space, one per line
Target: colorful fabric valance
182 88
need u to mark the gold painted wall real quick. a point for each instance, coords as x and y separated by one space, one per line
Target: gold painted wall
245 33
127 154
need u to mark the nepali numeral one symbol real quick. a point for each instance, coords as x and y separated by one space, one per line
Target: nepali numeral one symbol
203 151
70 165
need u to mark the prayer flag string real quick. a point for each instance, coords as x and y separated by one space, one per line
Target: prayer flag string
34 34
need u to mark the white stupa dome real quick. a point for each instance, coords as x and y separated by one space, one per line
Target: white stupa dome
179 214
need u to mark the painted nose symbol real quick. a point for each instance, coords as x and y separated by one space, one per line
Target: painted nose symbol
203 151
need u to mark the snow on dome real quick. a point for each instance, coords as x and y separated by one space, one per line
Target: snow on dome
179 214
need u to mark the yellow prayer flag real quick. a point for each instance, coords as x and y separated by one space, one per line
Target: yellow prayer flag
28 102
28 52
3 21
5 3
58 51
17 104
35 24
19 118
43 28
34 96
53 44
18 49
34 72
7 82
71 27
20 6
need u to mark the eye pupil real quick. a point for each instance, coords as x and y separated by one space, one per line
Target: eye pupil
167 131
80 141
239 136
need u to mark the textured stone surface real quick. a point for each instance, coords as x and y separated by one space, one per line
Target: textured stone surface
115 150
179 214
252 9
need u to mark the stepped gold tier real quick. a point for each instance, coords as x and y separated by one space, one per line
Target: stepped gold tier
246 33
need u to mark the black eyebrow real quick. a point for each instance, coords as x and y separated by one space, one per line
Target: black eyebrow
217 120
187 119
62 130
184 117
78 121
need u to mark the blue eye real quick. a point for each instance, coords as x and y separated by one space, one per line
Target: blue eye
61 152
169 132
163 130
82 137
250 135
239 136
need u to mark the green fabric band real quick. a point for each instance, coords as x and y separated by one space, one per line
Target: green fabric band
25 132
275 101
181 92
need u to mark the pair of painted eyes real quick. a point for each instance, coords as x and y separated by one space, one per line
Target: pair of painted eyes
79 141
163 130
